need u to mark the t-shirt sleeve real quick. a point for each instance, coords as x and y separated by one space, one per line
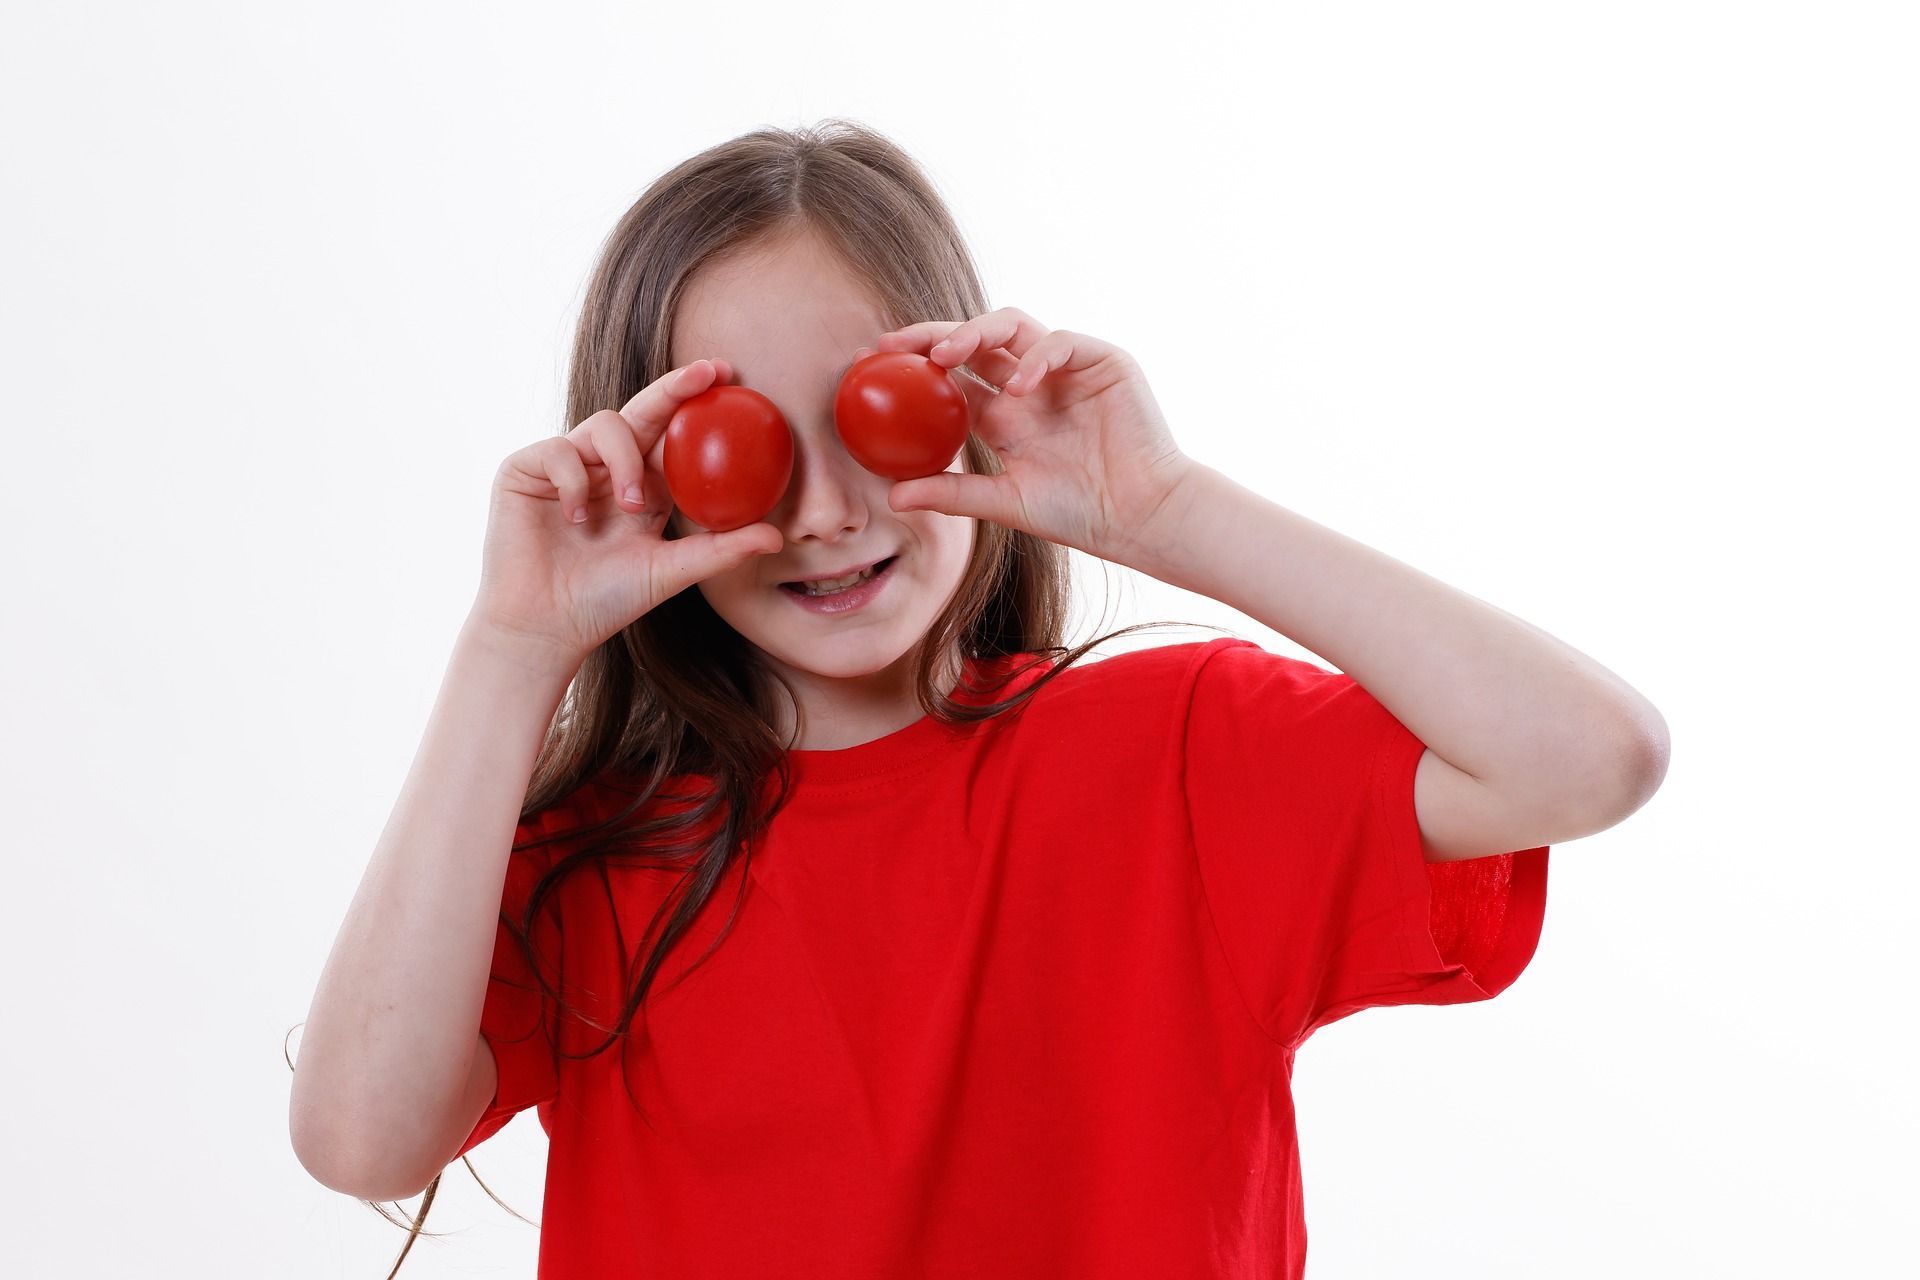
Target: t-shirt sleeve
1299 786
518 1020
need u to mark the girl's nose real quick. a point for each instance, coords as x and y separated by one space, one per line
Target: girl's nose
828 494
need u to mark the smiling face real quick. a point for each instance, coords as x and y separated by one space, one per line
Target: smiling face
788 316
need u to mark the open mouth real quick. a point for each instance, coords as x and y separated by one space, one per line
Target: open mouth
841 585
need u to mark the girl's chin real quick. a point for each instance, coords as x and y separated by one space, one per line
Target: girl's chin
822 650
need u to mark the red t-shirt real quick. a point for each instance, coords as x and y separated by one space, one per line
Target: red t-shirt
1018 999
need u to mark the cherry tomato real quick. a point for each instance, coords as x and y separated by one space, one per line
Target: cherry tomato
900 415
727 454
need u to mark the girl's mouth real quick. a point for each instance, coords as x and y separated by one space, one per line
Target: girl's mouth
846 598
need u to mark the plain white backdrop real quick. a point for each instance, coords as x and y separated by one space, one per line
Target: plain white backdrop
1604 314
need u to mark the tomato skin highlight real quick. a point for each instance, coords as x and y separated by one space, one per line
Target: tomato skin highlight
727 454
901 415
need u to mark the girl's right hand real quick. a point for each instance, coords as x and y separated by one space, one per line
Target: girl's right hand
563 588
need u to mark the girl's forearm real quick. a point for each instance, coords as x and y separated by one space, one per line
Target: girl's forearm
390 1039
1490 693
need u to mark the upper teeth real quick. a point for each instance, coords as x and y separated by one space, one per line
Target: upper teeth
824 585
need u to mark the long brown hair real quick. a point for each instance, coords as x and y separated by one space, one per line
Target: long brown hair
678 691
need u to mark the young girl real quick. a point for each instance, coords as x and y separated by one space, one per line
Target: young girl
871 934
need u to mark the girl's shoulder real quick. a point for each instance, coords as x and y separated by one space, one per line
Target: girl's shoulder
1113 707
1153 670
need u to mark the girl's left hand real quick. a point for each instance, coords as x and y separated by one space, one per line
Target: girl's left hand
1086 455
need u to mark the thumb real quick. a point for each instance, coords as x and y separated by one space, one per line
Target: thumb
699 556
957 493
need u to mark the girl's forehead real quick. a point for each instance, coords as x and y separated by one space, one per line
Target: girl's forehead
799 351
750 309
757 321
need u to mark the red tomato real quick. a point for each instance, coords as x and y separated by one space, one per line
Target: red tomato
727 454
900 415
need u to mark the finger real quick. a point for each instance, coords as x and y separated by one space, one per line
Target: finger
568 474
986 370
959 493
606 439
916 337
1007 329
698 556
1051 352
990 364
1062 349
654 405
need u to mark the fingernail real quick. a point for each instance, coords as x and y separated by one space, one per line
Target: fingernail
579 514
942 344
633 494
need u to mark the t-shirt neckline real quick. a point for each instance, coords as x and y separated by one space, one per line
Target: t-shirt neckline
912 744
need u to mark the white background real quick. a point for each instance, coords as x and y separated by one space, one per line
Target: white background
1604 314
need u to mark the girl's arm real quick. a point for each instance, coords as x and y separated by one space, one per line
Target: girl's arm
1534 728
392 1072
1529 742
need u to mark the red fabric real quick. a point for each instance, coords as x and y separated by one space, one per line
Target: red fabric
1015 1000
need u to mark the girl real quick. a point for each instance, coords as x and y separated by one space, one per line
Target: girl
870 934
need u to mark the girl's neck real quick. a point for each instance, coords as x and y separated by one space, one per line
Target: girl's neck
836 712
